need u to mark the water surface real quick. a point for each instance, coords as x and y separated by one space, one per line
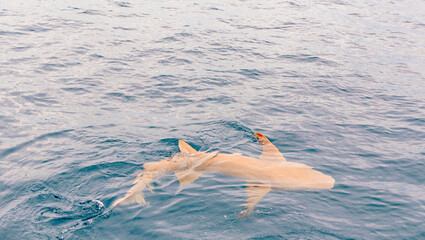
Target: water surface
91 91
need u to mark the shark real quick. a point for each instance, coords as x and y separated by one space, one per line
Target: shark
270 171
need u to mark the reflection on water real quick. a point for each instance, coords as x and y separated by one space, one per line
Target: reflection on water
92 91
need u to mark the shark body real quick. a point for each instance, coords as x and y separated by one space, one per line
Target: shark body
269 171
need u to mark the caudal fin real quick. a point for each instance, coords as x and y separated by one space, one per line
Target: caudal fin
135 197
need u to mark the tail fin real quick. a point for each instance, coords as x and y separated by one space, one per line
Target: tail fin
134 197
135 194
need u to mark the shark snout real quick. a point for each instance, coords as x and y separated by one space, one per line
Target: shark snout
326 182
320 181
330 182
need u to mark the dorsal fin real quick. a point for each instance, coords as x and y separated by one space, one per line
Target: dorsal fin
270 152
186 148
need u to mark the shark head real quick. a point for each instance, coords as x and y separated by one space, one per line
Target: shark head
300 176
318 180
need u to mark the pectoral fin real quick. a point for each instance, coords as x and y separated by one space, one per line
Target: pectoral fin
255 194
270 152
186 177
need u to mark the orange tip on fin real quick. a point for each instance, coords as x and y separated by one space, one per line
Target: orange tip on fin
270 152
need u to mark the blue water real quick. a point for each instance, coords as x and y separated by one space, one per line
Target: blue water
91 91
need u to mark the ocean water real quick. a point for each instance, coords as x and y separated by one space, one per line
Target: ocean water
89 91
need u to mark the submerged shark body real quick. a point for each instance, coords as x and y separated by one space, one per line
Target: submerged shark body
269 171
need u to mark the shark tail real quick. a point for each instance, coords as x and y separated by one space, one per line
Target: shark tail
134 197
